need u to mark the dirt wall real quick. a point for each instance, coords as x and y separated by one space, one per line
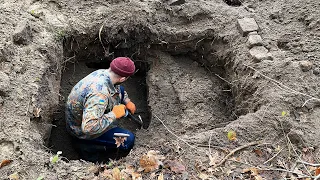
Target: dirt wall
34 35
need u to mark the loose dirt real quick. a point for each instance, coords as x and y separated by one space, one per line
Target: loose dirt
196 82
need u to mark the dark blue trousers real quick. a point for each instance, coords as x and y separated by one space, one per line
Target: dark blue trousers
103 148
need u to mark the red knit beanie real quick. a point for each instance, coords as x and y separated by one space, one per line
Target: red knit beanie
123 66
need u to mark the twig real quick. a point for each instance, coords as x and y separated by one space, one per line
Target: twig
223 79
282 85
68 59
285 136
317 177
209 144
28 107
100 39
273 157
307 102
195 47
278 169
288 171
173 133
234 151
297 155
309 164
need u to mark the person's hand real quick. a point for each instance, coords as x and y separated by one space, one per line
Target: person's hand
131 106
119 110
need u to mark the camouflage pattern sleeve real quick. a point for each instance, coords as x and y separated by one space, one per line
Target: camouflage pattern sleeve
126 98
94 121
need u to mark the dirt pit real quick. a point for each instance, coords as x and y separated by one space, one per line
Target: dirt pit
193 85
199 79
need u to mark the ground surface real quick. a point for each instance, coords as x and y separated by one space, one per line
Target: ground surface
201 82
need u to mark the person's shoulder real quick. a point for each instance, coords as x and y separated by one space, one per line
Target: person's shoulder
97 72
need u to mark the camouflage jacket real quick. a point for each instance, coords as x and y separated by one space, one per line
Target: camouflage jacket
89 105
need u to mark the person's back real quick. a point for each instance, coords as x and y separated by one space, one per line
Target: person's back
94 104
96 88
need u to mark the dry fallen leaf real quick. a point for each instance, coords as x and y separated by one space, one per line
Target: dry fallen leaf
36 112
120 141
14 176
93 169
175 166
107 173
317 171
148 163
253 171
116 173
228 172
5 162
129 168
238 159
151 161
160 177
298 172
136 176
232 136
203 176
278 148
124 175
214 159
258 152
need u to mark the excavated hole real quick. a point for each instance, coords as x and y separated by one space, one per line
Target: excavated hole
233 2
75 69
210 55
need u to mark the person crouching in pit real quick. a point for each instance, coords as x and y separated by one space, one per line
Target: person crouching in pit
94 105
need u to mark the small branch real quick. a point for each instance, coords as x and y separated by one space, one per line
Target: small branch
67 60
273 157
210 143
223 79
234 151
307 101
297 155
195 47
106 51
309 164
28 107
173 133
278 169
288 171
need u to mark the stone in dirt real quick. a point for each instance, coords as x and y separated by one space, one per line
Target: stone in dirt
247 25
306 65
260 53
316 71
4 83
2 56
254 39
22 34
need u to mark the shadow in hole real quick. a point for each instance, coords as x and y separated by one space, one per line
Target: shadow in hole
233 2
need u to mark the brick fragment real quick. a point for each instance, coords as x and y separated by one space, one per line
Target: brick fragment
247 25
254 39
260 53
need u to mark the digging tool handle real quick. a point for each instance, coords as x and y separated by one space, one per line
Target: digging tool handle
129 115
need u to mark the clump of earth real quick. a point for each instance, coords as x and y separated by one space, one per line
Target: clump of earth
198 81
